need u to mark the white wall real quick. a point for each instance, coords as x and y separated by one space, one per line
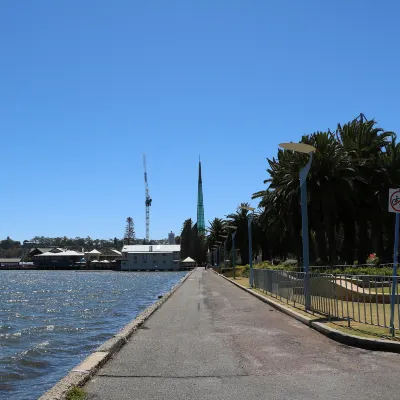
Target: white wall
150 261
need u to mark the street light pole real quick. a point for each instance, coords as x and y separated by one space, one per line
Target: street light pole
233 254
226 238
225 254
308 149
251 274
304 227
249 223
219 254
233 247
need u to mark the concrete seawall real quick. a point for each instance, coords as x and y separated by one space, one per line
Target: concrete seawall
79 375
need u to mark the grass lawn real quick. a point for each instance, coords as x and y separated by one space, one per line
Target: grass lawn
229 272
385 290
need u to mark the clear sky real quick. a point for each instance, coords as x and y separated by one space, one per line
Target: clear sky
87 86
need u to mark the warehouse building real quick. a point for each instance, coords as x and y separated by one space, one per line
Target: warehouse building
61 260
161 257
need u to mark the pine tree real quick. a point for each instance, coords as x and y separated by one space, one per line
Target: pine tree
129 231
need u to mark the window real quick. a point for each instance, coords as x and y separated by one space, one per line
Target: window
154 261
164 262
164 254
135 258
144 256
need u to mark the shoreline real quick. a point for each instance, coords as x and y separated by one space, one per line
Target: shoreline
83 372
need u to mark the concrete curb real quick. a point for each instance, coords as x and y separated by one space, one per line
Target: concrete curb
82 373
334 334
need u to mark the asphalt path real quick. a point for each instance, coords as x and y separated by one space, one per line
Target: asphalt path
211 340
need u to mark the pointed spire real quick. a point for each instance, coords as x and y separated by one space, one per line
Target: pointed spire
200 180
200 205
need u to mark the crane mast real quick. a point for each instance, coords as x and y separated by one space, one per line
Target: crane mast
148 200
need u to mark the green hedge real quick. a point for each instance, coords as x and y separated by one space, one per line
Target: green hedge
352 270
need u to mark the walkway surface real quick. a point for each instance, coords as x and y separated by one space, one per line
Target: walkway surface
211 340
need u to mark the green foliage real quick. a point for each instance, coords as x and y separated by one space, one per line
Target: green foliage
347 196
76 393
129 235
192 244
351 270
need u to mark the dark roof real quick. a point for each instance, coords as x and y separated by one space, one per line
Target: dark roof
10 260
42 249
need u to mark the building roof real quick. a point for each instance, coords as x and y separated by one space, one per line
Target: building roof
149 252
160 248
66 253
188 260
10 260
41 249
94 251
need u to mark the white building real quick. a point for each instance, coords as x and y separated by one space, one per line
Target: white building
160 257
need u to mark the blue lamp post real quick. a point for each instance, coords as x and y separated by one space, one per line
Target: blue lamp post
308 149
249 223
214 255
233 248
224 237
219 254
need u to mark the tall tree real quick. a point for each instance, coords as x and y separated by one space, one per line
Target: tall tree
129 236
187 245
240 220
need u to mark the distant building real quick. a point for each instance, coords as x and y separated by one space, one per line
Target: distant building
40 250
61 260
171 238
110 255
9 262
161 257
92 255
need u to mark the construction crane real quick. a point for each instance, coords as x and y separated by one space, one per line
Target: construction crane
148 200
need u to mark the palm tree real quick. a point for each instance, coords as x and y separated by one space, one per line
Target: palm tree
240 220
215 229
364 143
330 189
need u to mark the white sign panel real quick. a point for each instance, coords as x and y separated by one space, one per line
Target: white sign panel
394 200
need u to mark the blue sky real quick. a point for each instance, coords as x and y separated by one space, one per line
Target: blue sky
87 86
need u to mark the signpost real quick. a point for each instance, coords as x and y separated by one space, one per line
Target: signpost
394 206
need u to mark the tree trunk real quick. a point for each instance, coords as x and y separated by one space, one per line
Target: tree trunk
362 248
349 240
321 242
330 233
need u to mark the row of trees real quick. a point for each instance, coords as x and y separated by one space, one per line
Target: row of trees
10 248
353 168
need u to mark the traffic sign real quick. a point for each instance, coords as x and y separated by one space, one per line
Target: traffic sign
394 200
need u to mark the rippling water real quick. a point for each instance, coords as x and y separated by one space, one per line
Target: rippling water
51 320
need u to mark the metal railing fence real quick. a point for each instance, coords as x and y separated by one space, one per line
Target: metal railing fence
360 298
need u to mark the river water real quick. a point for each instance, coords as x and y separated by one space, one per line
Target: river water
51 320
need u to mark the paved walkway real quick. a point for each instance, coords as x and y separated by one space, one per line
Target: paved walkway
211 340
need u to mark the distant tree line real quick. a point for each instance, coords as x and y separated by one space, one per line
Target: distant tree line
87 243
10 248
